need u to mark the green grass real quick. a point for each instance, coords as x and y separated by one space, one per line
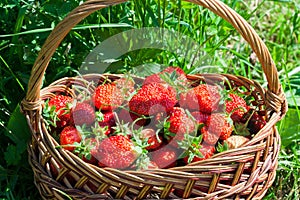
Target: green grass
24 27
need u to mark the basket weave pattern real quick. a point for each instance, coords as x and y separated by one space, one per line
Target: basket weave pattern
243 173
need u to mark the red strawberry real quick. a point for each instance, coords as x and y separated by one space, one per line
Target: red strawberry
68 136
116 152
106 97
158 121
219 125
106 119
209 137
180 124
127 116
204 98
157 78
62 108
152 139
159 117
256 123
178 70
153 98
206 152
83 113
139 120
112 95
236 106
200 117
165 157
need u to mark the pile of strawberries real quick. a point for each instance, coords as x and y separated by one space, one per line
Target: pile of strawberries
163 122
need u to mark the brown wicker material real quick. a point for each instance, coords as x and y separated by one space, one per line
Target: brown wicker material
243 173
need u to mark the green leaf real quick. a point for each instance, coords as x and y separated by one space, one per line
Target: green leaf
19 134
3 173
147 69
99 116
222 147
293 97
241 129
12 155
289 127
18 130
191 157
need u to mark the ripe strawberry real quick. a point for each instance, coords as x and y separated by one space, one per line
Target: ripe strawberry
116 152
68 136
236 107
154 141
107 97
209 137
204 98
179 76
256 123
127 116
62 106
200 117
219 125
158 121
159 117
205 152
83 113
180 124
153 98
111 95
165 157
106 119
139 120
178 70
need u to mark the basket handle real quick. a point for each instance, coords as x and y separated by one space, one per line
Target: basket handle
275 96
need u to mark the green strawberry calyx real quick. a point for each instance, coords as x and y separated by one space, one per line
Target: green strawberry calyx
191 146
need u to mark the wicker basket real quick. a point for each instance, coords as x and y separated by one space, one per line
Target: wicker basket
243 173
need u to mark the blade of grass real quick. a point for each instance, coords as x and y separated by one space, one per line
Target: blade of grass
12 73
78 27
18 26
